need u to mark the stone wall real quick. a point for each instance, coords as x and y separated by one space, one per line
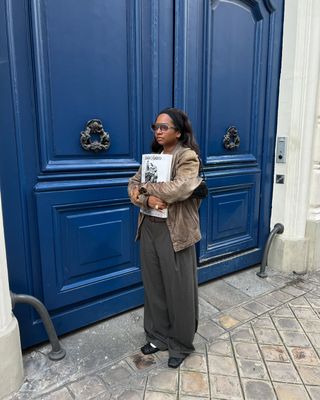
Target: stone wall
296 203
11 369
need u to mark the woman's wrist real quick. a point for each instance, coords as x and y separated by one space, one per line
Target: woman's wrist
142 190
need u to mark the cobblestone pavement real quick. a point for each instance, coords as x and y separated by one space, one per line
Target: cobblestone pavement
258 339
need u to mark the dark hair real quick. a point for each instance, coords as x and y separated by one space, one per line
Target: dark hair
183 125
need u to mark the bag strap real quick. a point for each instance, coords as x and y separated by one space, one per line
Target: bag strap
201 170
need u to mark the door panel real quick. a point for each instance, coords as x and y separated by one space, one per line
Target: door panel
91 62
87 66
236 76
232 215
84 237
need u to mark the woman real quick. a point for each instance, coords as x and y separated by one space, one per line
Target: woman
167 246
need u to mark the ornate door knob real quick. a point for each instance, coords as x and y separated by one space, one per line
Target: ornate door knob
94 127
231 139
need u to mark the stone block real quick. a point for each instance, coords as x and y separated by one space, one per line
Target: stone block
104 342
241 314
249 283
299 302
305 313
304 355
314 281
116 373
309 374
269 301
103 396
227 321
267 336
200 347
61 394
222 365
206 310
290 392
221 295
274 353
11 367
307 286
243 334
312 326
256 308
87 388
195 362
283 372
247 350
313 300
297 339
220 347
163 380
288 254
141 362
314 392
315 339
281 296
263 322
258 389
225 387
194 384
277 280
283 311
209 330
159 396
287 324
130 395
294 291
252 369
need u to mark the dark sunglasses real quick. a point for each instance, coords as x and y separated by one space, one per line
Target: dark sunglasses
162 127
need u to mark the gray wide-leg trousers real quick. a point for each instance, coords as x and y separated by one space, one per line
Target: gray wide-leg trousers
171 290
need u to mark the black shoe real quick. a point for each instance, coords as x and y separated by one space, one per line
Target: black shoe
174 362
148 349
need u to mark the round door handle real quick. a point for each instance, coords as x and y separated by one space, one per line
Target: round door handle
231 140
93 128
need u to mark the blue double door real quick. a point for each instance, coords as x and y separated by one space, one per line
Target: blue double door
69 224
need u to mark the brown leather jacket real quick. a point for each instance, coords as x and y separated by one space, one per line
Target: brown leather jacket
183 216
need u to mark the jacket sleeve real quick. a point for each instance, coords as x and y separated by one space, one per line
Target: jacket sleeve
186 179
135 182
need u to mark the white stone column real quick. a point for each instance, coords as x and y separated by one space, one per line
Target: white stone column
297 115
11 368
313 221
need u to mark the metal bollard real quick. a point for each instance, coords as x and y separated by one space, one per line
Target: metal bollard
57 352
278 228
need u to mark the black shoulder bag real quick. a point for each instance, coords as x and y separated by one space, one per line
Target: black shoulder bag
201 191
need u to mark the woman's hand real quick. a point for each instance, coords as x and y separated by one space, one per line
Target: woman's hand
135 196
156 203
135 193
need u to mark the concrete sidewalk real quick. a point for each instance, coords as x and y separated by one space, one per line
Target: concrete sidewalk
258 339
